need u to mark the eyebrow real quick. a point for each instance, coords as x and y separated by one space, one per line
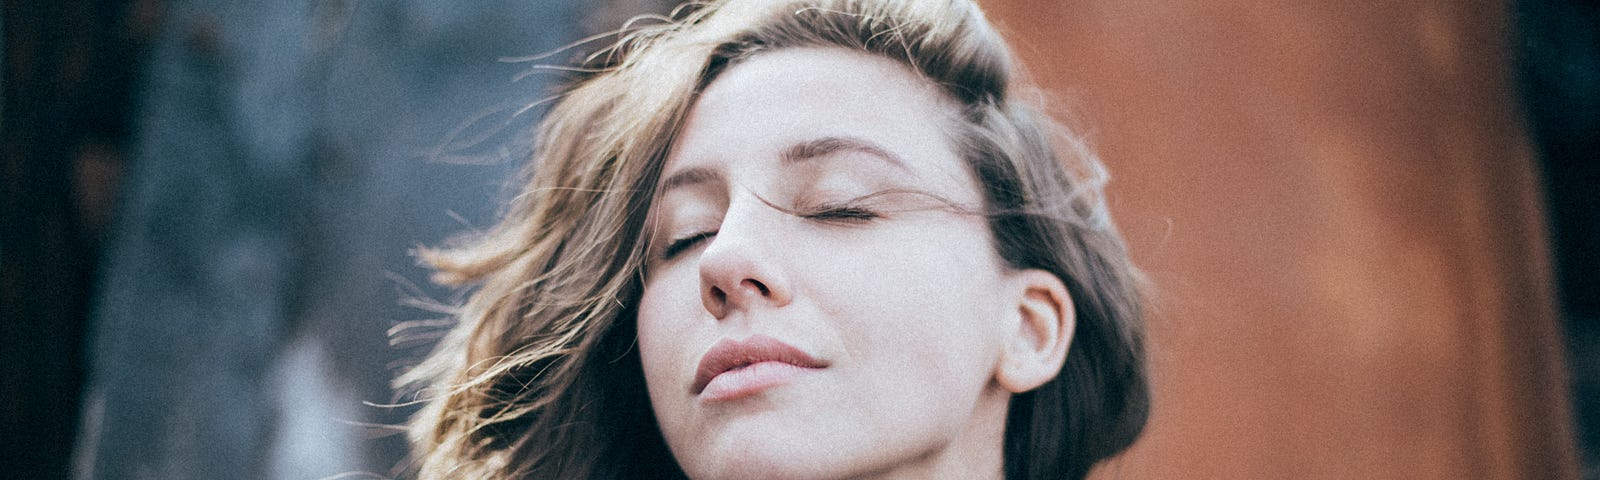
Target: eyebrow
689 176
797 153
825 146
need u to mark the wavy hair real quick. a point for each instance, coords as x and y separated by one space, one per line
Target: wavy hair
539 378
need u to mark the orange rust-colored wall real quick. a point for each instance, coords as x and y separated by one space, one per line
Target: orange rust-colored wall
1340 211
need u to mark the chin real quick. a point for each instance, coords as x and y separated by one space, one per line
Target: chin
766 457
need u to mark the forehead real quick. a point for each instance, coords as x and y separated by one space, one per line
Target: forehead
811 74
768 103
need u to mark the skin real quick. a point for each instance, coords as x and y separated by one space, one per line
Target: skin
925 333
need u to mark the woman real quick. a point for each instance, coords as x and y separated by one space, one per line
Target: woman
800 239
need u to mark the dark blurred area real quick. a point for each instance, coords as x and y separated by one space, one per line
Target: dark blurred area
68 76
1559 61
206 209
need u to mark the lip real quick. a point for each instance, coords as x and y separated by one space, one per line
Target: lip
736 368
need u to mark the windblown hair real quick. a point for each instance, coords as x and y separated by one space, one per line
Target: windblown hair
539 379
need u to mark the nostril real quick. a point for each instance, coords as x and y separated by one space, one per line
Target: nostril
760 286
719 296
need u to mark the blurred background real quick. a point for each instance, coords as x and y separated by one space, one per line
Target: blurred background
1372 227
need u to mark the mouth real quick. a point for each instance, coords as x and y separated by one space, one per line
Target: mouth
736 368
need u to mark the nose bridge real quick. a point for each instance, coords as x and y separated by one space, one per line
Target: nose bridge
740 268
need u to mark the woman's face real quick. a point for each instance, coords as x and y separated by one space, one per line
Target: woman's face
850 336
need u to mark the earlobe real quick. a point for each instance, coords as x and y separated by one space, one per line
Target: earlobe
1041 330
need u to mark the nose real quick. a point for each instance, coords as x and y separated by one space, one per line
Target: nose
739 272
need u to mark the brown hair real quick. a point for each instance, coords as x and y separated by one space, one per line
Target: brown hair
539 378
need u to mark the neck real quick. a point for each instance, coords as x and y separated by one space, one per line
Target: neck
977 453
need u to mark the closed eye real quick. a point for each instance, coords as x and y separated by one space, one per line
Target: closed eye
685 243
841 213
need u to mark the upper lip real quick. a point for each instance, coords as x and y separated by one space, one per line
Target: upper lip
728 354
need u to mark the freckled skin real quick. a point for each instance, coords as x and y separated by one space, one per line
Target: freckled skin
899 305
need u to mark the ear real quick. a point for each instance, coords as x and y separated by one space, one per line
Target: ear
1039 333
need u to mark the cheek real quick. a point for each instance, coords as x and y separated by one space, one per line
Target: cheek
668 308
918 320
925 297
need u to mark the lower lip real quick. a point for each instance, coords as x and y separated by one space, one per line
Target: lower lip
750 380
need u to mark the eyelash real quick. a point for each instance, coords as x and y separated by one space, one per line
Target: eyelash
840 213
833 213
681 244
